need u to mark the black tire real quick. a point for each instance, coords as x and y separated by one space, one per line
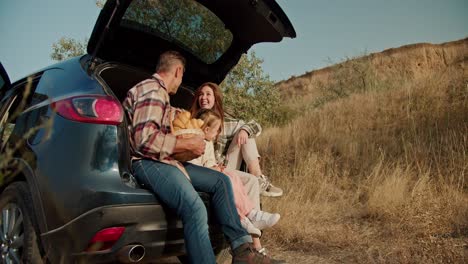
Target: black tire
18 236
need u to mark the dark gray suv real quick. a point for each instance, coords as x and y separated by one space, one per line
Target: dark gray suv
67 191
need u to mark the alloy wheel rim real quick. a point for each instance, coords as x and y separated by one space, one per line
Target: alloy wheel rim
11 234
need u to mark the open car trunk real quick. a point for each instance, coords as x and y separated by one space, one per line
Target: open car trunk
211 34
120 78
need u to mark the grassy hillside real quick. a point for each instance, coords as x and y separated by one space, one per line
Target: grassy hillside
374 166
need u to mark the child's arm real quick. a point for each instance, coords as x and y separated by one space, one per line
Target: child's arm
209 159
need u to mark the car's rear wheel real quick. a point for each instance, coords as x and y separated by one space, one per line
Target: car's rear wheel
17 234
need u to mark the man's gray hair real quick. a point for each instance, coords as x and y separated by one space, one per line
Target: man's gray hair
168 59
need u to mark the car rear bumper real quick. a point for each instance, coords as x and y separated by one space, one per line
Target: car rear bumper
152 226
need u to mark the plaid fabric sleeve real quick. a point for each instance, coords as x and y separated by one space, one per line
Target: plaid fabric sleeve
253 128
146 104
231 127
220 150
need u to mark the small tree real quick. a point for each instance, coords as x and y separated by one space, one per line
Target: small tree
100 3
249 93
68 47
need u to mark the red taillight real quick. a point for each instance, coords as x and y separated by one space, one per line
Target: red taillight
105 238
96 109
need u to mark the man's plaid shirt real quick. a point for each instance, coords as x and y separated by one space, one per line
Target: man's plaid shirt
150 114
231 127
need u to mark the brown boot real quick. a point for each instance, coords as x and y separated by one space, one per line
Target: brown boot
246 254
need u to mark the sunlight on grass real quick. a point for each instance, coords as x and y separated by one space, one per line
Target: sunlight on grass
378 175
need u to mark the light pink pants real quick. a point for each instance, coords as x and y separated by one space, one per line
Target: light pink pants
246 191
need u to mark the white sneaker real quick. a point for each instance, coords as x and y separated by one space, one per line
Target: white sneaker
251 229
268 189
262 220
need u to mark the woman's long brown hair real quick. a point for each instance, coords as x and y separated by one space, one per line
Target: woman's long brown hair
218 105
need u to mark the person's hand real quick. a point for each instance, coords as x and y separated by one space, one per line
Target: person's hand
219 167
242 137
194 146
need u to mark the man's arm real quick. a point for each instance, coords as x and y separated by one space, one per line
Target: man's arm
194 145
148 103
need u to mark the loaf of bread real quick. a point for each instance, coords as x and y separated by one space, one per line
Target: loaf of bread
184 121
183 126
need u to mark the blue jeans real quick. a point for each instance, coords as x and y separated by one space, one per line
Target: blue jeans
172 187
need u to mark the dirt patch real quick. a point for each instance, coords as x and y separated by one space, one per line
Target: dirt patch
296 257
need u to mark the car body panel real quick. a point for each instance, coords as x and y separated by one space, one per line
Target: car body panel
5 83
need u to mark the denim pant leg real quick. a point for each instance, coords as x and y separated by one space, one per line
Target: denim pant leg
175 191
219 186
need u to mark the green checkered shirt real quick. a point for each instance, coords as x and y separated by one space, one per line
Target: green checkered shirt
231 127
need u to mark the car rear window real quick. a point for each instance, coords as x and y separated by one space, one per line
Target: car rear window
186 23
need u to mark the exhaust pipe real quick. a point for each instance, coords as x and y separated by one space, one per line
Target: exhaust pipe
131 253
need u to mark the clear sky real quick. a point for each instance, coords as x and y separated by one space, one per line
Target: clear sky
327 30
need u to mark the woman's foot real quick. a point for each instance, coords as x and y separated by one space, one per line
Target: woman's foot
268 189
262 220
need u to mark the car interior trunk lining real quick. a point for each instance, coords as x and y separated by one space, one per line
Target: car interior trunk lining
121 78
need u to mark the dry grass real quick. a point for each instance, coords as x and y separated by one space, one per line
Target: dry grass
375 177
